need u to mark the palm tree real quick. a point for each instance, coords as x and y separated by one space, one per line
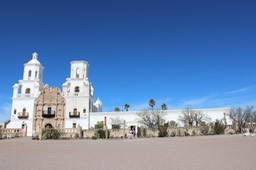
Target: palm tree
152 103
126 106
164 106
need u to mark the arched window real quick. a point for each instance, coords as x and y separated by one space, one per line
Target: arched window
36 74
75 111
24 112
77 73
29 73
27 91
77 89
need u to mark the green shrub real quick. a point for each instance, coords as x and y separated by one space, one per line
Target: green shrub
204 129
218 128
144 132
102 134
162 131
193 133
173 134
139 132
251 130
50 134
76 136
99 125
114 126
186 133
94 137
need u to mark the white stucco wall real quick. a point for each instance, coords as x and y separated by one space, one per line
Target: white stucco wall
131 117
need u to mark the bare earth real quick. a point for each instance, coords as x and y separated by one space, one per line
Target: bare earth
193 153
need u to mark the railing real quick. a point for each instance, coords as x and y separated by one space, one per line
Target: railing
22 115
11 133
74 114
48 114
25 95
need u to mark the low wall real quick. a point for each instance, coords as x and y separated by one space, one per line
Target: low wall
70 133
114 133
11 133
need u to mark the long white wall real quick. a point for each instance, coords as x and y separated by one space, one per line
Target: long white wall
131 117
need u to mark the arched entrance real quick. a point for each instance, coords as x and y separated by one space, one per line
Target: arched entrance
48 126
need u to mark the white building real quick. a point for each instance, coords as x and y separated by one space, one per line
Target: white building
80 108
24 94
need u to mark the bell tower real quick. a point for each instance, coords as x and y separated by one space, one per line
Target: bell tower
78 93
24 94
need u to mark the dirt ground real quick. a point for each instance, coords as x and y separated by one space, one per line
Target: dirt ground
193 153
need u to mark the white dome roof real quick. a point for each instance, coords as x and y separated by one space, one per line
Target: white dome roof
34 59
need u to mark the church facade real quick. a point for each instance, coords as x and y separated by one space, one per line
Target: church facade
36 106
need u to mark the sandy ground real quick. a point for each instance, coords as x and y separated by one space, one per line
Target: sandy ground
193 153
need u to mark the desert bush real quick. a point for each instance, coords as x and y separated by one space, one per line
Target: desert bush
162 131
218 128
99 125
186 133
173 134
76 136
139 132
179 132
251 130
114 126
204 129
144 132
102 134
50 134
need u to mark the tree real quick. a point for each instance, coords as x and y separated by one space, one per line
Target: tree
126 107
117 109
200 117
164 106
241 117
187 117
219 127
99 125
151 118
152 103
116 122
173 124
192 117
254 117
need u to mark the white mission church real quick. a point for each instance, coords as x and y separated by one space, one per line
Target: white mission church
36 106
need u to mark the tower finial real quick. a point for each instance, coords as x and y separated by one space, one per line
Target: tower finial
35 55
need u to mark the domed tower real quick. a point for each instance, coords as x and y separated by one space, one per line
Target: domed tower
24 94
78 93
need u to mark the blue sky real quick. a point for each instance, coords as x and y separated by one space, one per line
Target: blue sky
183 53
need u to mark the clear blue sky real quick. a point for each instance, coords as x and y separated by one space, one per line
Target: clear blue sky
183 53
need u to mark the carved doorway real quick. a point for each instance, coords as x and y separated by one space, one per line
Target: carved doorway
48 126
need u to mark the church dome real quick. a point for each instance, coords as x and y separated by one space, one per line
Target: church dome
34 59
